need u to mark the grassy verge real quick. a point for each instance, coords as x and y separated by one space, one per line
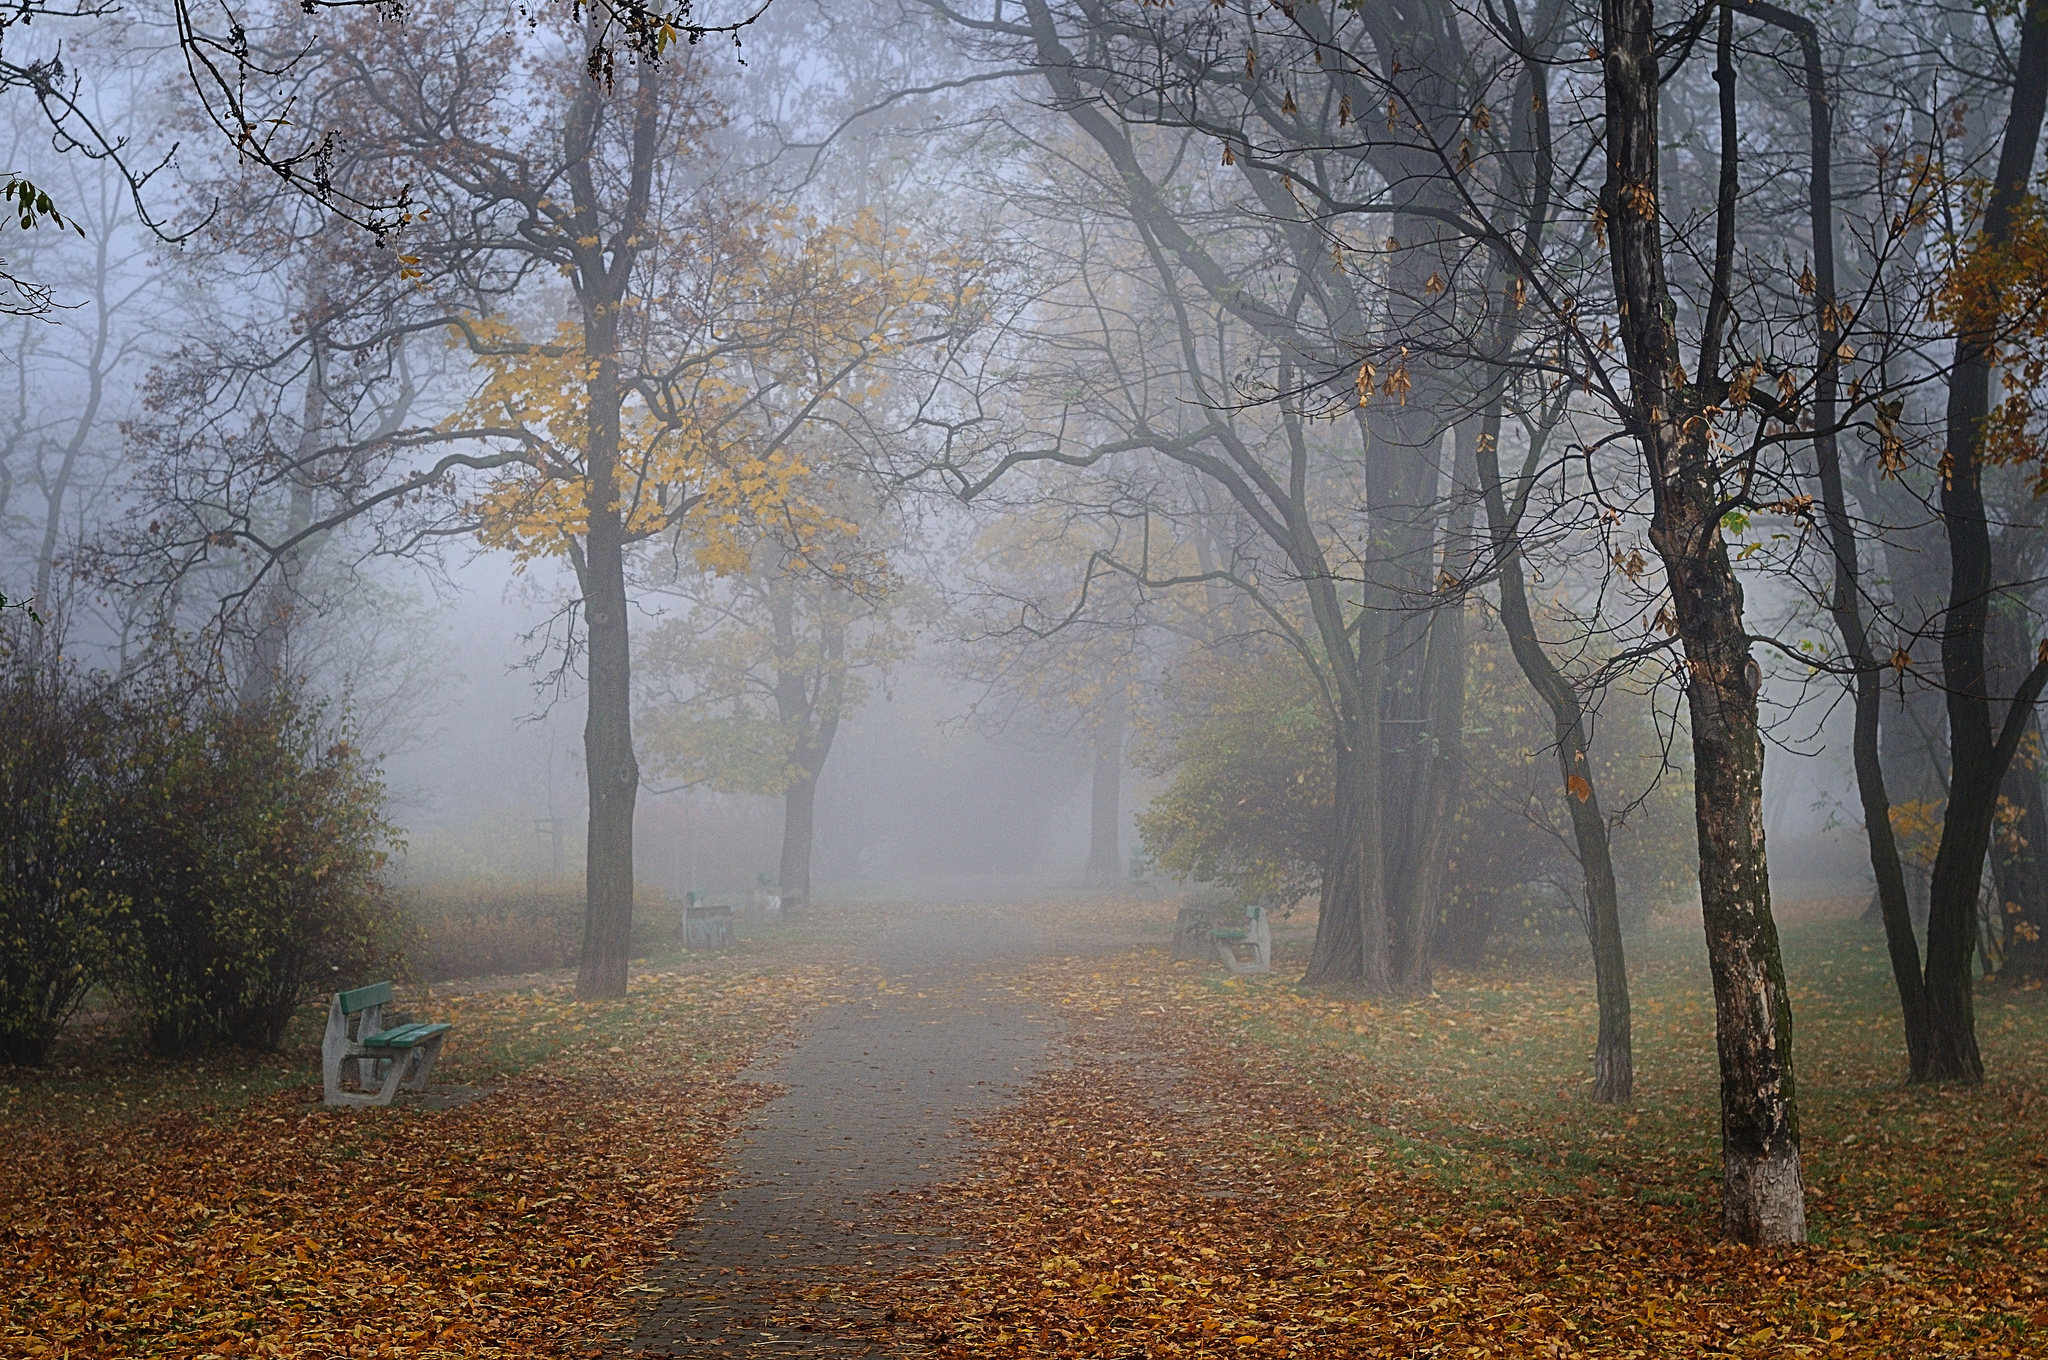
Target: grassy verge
1245 1166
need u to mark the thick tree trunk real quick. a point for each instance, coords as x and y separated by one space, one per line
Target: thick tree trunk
799 826
1762 1192
1442 733
613 773
1351 930
604 274
1105 801
610 767
1978 757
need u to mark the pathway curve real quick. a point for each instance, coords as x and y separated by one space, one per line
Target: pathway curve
875 1099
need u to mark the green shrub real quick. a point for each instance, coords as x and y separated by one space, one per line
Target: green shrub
1248 754
1250 804
63 915
254 840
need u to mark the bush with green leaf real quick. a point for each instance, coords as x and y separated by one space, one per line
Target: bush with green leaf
1250 803
1248 752
254 838
64 915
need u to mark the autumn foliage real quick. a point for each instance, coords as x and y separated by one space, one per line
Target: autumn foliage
204 860
217 1224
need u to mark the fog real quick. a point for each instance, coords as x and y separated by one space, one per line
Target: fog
1024 465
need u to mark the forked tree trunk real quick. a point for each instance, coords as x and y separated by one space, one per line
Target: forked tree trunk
1762 1191
1978 757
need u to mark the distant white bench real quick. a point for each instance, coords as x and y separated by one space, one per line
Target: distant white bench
1256 936
405 1053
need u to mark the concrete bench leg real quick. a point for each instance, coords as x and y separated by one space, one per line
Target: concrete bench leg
393 1076
419 1064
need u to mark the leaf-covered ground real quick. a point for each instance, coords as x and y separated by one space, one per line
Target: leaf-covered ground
1247 1167
215 1209
1218 1166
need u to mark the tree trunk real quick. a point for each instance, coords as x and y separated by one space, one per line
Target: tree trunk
1442 733
1351 929
2019 846
1613 1050
1978 758
614 774
1105 802
1762 1196
1846 600
2020 871
612 771
799 825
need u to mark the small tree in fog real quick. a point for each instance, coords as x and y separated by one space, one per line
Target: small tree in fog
1057 636
749 686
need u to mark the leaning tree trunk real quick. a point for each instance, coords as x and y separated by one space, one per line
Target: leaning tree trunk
1762 1193
1978 757
1105 800
1613 1050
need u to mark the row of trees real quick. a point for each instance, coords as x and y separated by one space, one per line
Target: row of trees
1303 330
1379 311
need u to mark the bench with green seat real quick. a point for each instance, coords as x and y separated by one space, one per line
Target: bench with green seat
387 1060
1257 936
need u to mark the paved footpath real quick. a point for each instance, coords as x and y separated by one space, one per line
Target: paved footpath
875 1099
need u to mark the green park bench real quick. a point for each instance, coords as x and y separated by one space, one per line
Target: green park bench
1257 936
404 1053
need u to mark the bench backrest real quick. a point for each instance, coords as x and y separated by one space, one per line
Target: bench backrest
362 998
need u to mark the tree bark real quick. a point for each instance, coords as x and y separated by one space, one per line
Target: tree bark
613 772
1762 1197
1441 732
1614 1050
799 825
1978 757
603 277
1105 800
1845 603
2019 849
1351 931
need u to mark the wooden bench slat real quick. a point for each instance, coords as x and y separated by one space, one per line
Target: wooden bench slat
406 1036
362 998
